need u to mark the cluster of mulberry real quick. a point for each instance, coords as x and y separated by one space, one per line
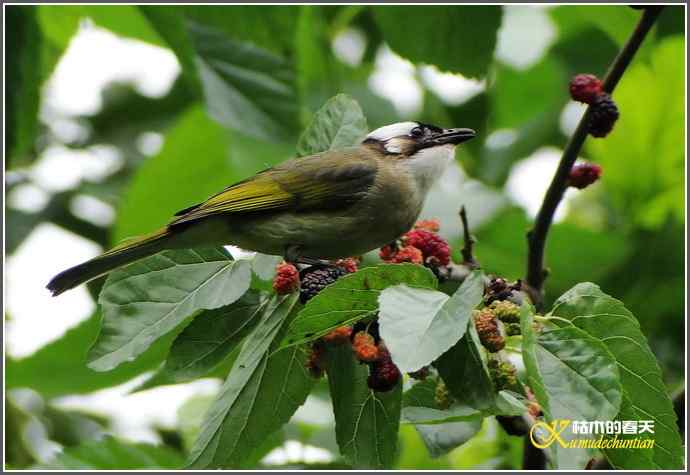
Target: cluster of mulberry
501 299
313 279
587 88
421 245
367 347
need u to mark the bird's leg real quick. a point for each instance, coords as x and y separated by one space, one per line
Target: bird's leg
292 255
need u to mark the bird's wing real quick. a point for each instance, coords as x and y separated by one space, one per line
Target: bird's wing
325 181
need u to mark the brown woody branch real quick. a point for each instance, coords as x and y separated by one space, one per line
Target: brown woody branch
466 251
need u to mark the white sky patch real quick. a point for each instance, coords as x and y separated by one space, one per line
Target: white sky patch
501 138
452 89
37 318
570 117
93 210
134 415
28 197
349 46
149 143
60 168
529 179
524 36
94 58
394 79
293 452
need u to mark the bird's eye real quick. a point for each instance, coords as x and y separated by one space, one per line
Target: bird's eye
417 132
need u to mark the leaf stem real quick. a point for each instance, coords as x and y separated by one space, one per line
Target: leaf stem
552 318
536 237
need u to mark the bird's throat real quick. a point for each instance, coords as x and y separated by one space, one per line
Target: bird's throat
429 164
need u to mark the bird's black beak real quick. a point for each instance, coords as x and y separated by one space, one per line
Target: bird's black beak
450 136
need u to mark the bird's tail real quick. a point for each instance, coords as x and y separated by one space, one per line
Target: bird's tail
122 254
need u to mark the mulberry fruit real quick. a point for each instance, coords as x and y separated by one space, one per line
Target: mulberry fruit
435 249
408 254
383 374
500 289
585 88
316 360
503 373
339 335
584 174
286 279
603 116
313 281
505 311
442 396
365 347
431 225
350 264
487 329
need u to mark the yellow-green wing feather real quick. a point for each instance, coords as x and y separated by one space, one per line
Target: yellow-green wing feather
326 180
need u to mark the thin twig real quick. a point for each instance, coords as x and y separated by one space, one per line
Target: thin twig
536 238
466 251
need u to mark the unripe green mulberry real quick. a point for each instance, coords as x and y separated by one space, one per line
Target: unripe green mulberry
506 311
442 397
503 373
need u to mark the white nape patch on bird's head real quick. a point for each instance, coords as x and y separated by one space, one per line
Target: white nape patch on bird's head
387 132
428 164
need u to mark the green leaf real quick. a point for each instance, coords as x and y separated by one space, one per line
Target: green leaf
151 297
169 23
245 87
316 80
59 22
431 416
614 20
213 334
465 373
366 421
264 266
29 442
441 438
261 393
113 454
426 320
339 123
513 93
59 367
607 319
573 376
172 180
460 39
267 26
22 89
351 298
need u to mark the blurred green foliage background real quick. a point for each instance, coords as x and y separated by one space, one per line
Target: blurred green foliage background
251 78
